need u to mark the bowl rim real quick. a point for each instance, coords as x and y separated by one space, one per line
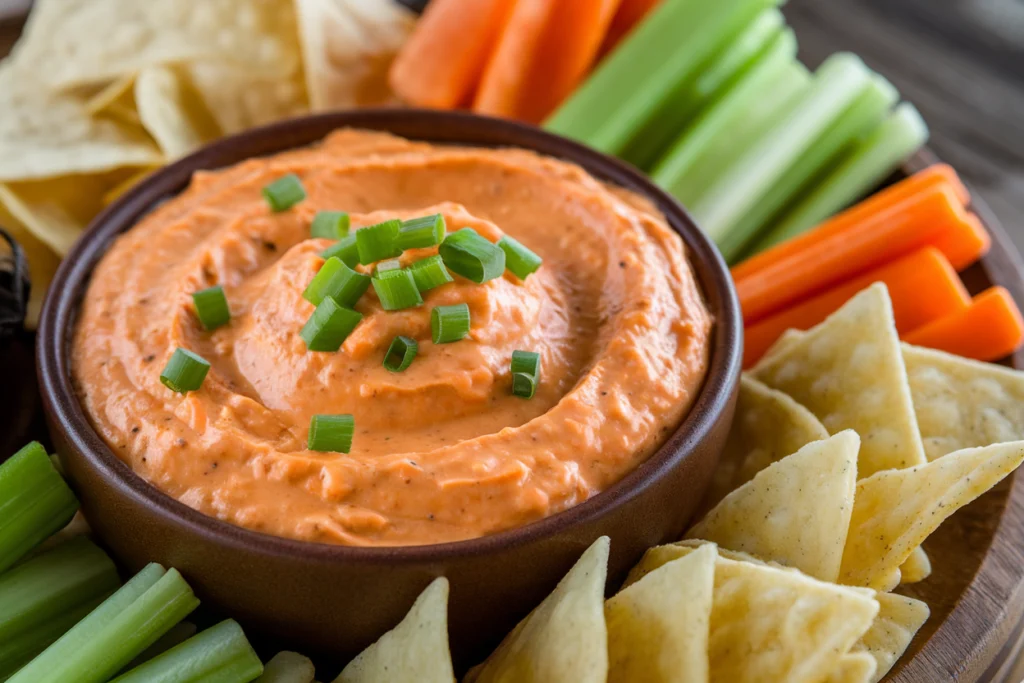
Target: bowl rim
72 278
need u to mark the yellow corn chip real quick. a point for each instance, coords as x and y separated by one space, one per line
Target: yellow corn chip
769 425
239 99
918 567
563 640
172 112
856 668
658 626
849 372
117 91
894 511
415 650
288 667
899 619
795 512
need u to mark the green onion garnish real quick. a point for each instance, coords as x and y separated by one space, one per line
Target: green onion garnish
185 371
390 264
220 653
396 290
449 323
429 273
526 361
211 307
284 193
400 354
378 242
329 326
520 260
523 385
345 249
331 433
330 224
337 281
467 253
427 231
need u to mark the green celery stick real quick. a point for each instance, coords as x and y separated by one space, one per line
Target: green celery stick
220 654
834 87
724 67
734 123
863 115
874 158
659 58
118 630
34 503
178 634
22 648
288 667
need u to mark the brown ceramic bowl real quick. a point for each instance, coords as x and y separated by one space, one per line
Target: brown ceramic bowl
334 599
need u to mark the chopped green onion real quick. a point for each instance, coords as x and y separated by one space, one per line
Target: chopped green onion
332 225
345 249
519 259
400 354
35 503
338 281
430 272
526 361
329 326
473 257
331 433
378 242
449 323
221 653
211 307
396 290
185 371
390 264
113 634
523 385
284 193
427 231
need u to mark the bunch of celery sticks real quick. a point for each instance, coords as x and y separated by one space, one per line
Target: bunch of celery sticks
709 98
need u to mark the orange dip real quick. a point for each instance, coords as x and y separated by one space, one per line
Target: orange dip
442 451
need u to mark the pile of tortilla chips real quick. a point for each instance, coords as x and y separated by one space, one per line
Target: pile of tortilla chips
99 92
789 576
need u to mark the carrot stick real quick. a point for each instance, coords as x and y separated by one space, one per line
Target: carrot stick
933 216
964 247
441 63
989 329
547 48
629 14
923 287
933 176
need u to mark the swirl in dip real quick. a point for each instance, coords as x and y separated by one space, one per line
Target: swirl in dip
442 451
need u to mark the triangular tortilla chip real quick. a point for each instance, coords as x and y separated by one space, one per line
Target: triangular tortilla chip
172 112
962 403
918 567
563 640
658 626
796 512
899 618
849 372
769 425
894 511
415 650
855 668
771 624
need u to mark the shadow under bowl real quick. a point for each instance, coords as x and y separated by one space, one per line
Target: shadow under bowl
335 600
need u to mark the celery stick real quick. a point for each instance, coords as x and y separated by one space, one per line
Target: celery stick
863 115
127 623
288 667
220 654
730 126
723 68
34 503
22 648
874 158
178 634
658 59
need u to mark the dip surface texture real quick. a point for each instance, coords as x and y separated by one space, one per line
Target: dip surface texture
442 451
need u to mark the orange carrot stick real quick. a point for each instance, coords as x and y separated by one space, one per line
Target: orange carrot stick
923 287
933 176
441 63
629 14
547 48
989 329
964 247
934 216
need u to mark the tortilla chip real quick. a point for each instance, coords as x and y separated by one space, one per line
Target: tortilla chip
849 372
42 263
288 667
771 624
962 403
415 650
172 112
894 511
769 425
855 668
116 92
899 619
563 640
795 512
239 99
918 567
658 626
114 193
